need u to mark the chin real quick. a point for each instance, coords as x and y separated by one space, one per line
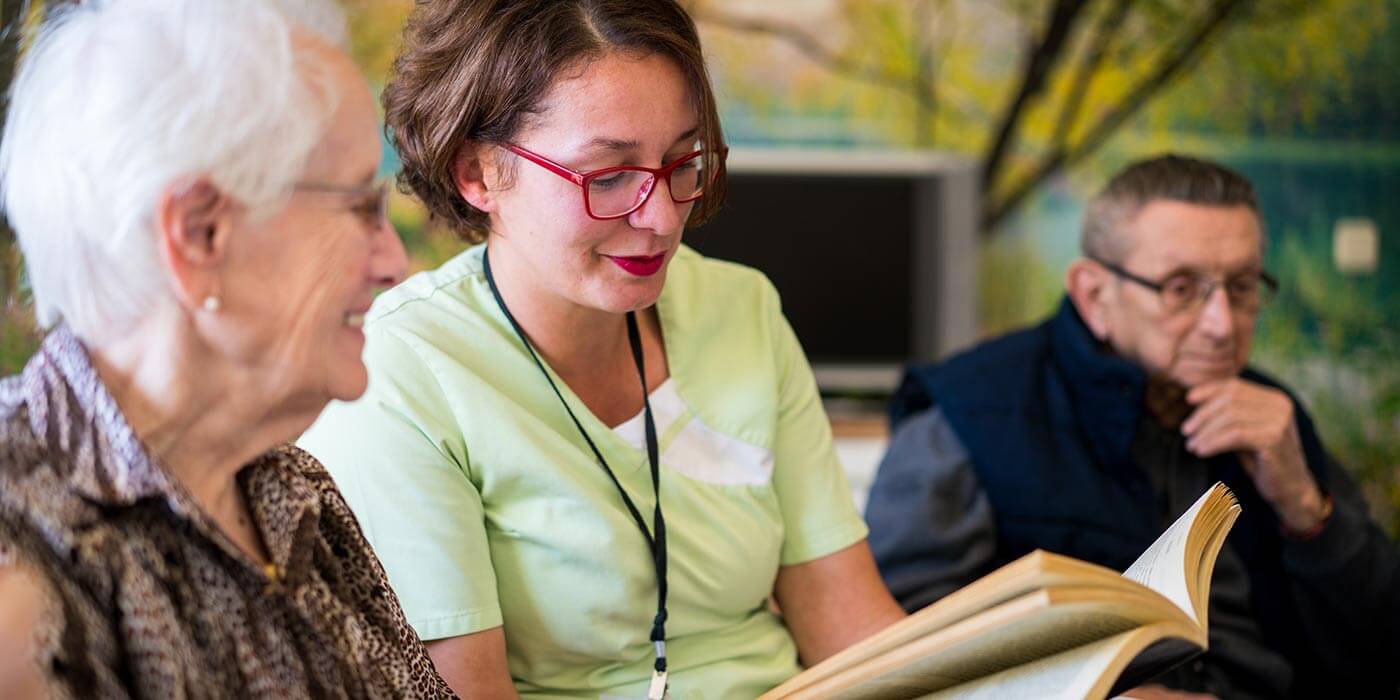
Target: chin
1193 378
633 296
348 382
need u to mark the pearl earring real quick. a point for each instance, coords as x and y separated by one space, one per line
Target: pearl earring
211 304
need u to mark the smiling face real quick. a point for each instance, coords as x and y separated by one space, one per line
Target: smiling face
296 285
1168 238
621 109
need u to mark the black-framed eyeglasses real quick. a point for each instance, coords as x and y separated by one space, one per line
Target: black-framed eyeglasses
1187 292
372 204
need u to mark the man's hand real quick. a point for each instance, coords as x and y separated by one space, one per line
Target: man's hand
1234 415
1157 692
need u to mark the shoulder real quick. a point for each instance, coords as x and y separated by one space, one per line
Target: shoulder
1001 359
291 466
298 462
698 282
449 308
430 290
34 483
22 453
17 430
723 306
1005 352
927 440
435 325
1010 360
11 396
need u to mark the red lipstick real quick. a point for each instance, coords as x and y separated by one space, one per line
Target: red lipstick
641 266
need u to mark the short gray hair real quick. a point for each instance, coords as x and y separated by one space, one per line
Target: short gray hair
1166 177
117 100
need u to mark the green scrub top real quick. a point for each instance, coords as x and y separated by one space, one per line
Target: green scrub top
487 508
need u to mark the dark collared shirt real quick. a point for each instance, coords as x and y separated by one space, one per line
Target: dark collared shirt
146 597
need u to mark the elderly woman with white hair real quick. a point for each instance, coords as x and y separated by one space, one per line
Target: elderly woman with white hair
192 185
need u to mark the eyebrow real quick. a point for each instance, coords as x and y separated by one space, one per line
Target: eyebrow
620 145
1248 269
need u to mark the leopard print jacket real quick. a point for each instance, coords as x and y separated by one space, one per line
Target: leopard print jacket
144 597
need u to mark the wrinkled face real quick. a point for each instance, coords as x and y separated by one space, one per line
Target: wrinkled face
296 285
1168 238
622 109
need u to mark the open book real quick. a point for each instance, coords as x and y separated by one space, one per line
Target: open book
1044 626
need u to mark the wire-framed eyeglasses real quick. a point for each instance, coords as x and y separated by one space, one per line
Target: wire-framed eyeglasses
1187 292
371 200
615 192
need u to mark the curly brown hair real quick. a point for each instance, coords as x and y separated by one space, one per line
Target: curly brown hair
472 71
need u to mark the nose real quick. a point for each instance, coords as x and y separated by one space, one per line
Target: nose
1217 317
388 260
658 212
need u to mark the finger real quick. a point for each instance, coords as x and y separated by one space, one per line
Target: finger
1206 412
1232 439
1218 438
1210 437
1202 393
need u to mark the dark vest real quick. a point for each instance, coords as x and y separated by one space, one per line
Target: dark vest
1048 419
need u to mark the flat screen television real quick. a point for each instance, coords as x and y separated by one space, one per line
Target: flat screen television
874 253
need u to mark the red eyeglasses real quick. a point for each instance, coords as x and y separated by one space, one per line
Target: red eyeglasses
612 193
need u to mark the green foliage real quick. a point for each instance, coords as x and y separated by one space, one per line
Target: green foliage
375 27
18 337
1282 70
1004 307
1328 340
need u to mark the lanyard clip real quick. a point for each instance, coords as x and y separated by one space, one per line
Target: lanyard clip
657 690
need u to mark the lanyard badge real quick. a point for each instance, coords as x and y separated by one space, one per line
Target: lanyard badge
656 535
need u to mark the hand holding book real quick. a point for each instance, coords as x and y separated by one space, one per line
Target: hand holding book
1044 626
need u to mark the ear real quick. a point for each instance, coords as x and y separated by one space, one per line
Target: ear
1089 288
194 221
473 169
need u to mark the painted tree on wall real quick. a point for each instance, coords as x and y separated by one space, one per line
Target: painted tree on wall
1041 95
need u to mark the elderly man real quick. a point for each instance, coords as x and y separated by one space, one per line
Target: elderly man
1088 434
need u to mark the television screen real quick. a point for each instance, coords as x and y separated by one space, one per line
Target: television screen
839 251
874 253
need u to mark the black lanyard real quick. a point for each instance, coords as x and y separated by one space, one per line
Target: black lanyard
657 544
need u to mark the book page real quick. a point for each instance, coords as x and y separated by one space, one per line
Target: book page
1163 566
1035 571
1038 625
1069 675
1026 642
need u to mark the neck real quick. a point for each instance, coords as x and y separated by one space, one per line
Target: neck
203 418
1166 402
572 338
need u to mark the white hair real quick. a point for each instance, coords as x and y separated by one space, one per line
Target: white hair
116 101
